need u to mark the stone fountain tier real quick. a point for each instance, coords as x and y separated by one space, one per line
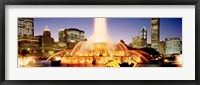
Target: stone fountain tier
99 49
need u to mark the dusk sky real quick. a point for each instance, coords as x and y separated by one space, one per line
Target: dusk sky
118 28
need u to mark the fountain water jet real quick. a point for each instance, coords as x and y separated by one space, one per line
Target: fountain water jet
100 30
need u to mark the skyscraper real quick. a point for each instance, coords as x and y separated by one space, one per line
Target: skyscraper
63 35
47 40
74 36
155 33
144 36
46 32
25 27
26 39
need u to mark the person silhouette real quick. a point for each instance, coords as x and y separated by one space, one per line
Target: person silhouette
94 61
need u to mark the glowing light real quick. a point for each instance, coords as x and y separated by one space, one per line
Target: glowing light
166 60
57 58
66 60
51 52
81 60
89 60
178 59
100 60
28 49
74 60
46 28
24 61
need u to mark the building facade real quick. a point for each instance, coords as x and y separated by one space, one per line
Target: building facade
173 46
74 36
62 34
25 27
40 40
26 39
144 36
28 43
162 47
137 42
155 33
59 46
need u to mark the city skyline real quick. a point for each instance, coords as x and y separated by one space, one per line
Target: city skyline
118 28
73 50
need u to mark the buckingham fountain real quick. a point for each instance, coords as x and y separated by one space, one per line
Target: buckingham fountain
100 50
